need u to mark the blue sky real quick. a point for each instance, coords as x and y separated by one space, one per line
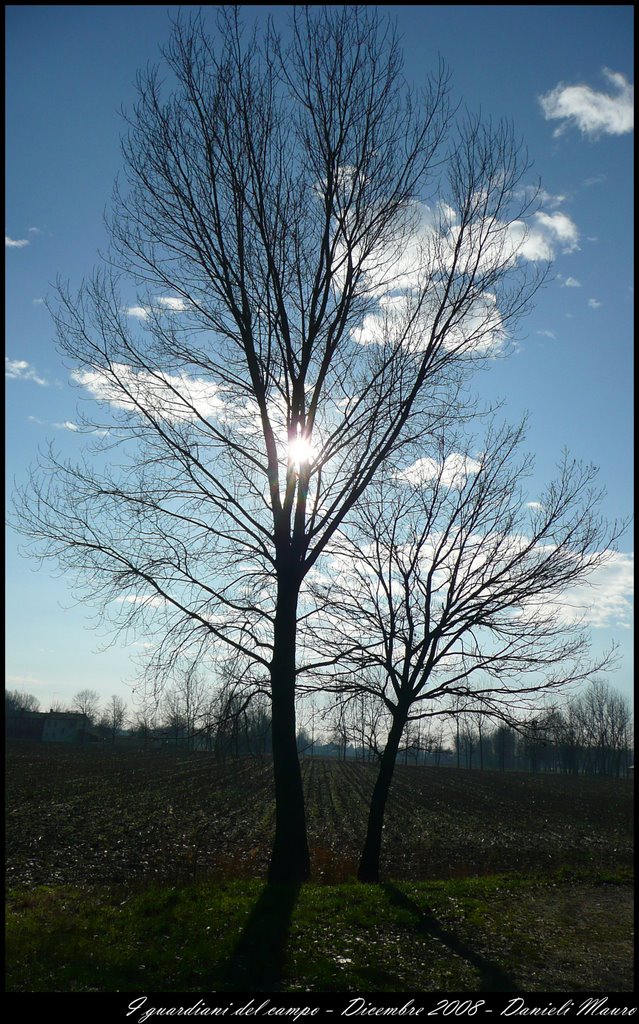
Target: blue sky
562 74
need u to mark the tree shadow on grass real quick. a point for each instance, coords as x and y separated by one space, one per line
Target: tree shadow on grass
491 977
257 962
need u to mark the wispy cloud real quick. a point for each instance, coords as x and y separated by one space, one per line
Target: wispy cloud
608 601
593 113
549 200
594 303
66 425
25 681
596 179
20 369
547 334
571 282
69 425
169 303
15 243
173 397
453 472
147 600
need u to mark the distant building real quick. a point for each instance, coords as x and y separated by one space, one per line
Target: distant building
48 726
65 727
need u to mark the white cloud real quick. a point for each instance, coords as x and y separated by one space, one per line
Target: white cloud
175 304
479 328
433 242
607 603
15 367
556 227
547 334
549 200
172 303
539 240
594 303
148 600
536 506
571 282
38 302
20 369
67 425
175 397
453 472
594 113
15 243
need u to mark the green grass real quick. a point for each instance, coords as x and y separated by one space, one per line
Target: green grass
501 933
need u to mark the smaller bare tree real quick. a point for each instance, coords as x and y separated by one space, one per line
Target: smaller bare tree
448 588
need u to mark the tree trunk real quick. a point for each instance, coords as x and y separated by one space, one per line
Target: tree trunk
368 870
290 860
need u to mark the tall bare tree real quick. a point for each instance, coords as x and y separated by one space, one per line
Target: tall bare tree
447 590
307 255
87 702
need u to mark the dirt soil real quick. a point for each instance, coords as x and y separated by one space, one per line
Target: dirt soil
87 816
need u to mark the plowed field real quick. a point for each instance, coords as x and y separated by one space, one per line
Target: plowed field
102 816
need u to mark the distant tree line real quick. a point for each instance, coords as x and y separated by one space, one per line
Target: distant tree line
228 721
14 701
590 734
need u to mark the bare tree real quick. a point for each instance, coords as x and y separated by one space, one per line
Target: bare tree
340 728
238 717
115 716
14 700
191 694
144 725
87 702
450 583
307 256
601 719
369 718
172 715
467 738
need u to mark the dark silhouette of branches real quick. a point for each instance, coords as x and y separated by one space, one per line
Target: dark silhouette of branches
452 593
307 261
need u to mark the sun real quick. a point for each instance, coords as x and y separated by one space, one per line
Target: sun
300 452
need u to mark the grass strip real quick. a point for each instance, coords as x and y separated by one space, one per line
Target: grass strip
568 932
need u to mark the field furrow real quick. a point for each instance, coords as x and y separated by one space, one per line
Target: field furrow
91 816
